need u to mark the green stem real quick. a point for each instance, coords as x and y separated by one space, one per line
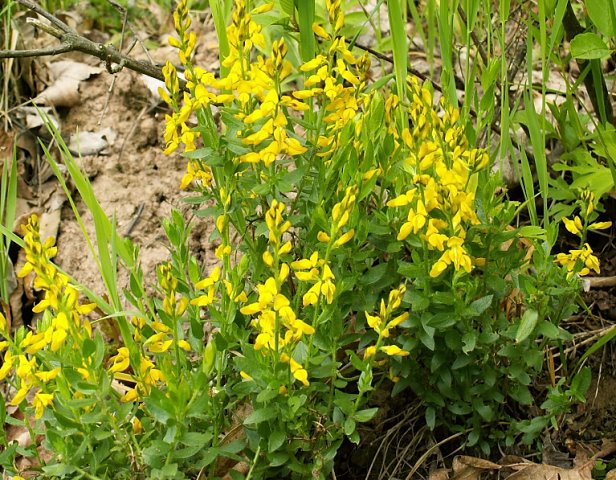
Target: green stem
254 462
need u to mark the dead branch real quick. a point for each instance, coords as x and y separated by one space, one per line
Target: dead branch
71 41
598 282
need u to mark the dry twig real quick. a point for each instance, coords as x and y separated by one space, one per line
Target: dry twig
71 41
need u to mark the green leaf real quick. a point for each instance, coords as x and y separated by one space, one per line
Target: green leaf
155 454
530 231
521 394
400 50
276 439
581 383
277 459
88 348
305 17
158 406
58 469
266 395
469 339
481 304
598 11
589 46
549 330
288 7
349 426
365 415
528 322
430 418
261 415
186 452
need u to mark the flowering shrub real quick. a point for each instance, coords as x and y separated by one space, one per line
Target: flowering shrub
360 241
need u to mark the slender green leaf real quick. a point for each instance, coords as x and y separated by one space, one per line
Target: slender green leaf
400 49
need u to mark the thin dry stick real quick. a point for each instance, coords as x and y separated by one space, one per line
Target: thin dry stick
71 41
428 452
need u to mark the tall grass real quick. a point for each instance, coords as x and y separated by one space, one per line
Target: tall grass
8 200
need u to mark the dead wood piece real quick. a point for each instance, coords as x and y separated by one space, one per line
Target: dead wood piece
598 282
71 41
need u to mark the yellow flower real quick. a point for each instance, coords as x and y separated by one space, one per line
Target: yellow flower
369 352
344 238
159 346
47 376
311 297
599 225
314 63
374 321
320 31
402 200
398 320
40 401
121 361
137 426
7 364
130 396
580 261
21 394
394 350
574 226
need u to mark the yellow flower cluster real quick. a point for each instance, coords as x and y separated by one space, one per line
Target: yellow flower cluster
161 336
254 84
61 325
277 323
141 379
317 271
267 124
341 214
440 202
383 322
337 81
582 260
177 131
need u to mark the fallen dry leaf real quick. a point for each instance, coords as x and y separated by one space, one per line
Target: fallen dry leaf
439 474
91 143
547 472
67 75
471 468
33 119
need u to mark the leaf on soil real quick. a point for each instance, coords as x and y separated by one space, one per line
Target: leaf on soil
470 468
32 119
439 474
152 84
64 91
91 143
546 472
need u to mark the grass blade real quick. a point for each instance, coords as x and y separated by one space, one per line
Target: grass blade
8 201
400 48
